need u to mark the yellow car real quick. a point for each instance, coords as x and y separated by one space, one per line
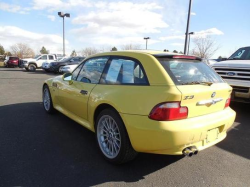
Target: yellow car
144 101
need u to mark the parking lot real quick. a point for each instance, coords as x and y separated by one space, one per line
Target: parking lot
37 149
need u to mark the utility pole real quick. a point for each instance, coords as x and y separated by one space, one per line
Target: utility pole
187 30
62 15
146 38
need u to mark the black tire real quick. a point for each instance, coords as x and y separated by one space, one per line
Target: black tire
48 108
46 70
32 67
126 152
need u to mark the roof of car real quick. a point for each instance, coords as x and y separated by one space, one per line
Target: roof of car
150 52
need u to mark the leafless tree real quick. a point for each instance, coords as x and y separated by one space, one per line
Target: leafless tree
22 50
89 51
204 47
130 46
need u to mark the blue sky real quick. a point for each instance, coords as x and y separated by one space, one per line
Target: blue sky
104 24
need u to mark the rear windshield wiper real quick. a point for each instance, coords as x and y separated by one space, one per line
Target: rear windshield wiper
197 82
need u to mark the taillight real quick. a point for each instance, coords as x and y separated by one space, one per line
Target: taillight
227 102
168 112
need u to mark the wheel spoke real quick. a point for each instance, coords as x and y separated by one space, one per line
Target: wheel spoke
107 123
117 139
114 147
108 136
117 144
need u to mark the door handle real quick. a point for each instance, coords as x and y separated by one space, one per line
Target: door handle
84 92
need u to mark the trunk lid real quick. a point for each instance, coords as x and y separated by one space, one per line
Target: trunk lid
203 99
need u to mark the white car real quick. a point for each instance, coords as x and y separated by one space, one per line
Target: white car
31 64
68 68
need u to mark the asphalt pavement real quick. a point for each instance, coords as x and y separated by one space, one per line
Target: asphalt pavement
37 149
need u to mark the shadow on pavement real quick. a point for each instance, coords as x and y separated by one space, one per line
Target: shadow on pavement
238 137
38 149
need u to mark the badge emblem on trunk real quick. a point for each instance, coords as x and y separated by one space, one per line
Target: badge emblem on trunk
213 94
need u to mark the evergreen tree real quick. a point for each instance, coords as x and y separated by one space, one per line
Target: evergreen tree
174 51
114 49
73 53
44 50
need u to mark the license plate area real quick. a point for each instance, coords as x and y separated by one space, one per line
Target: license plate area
212 135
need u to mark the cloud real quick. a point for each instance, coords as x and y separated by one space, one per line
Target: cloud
179 37
51 17
52 5
10 35
212 31
117 20
13 8
202 33
193 13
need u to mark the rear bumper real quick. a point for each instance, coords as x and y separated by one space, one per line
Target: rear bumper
172 137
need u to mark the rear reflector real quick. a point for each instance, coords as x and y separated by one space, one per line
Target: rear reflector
168 112
184 57
227 102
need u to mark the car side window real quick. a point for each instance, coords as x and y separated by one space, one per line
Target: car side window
51 57
76 72
92 70
44 57
125 71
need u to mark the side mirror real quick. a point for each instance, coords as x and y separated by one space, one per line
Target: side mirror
67 77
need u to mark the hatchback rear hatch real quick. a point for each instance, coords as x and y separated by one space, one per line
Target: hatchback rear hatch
203 90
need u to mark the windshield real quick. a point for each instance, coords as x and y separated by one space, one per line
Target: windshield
184 72
37 56
241 54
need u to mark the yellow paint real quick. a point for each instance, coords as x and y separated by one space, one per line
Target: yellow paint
134 104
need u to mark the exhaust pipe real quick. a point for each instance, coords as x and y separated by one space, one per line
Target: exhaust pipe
187 152
194 150
190 151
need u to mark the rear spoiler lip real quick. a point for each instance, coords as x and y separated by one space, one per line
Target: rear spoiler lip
187 57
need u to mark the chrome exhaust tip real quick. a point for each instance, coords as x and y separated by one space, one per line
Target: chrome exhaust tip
187 152
194 150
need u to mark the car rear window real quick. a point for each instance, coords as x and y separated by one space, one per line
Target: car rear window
185 72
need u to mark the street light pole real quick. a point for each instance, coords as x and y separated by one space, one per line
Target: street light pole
62 15
189 40
187 29
146 38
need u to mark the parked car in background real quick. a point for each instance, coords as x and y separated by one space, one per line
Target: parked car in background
236 72
31 64
144 101
57 66
68 68
12 61
46 65
209 62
